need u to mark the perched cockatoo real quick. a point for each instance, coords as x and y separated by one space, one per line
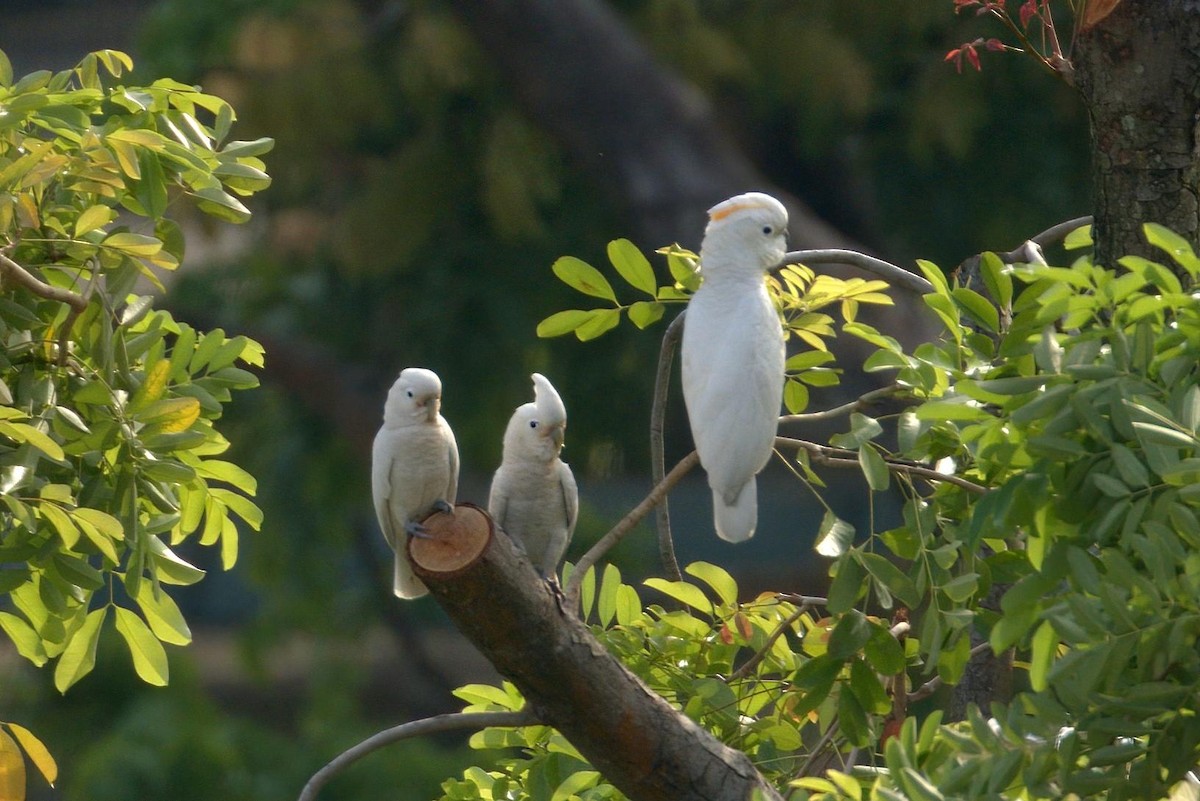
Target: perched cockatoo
733 355
414 467
534 497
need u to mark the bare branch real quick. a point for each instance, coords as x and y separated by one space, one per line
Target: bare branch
417 728
840 457
930 687
625 525
846 408
662 383
19 275
894 275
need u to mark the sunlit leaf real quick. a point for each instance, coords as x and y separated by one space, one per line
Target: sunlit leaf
79 657
583 277
149 657
37 752
12 769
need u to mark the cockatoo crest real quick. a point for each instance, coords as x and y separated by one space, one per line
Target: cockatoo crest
415 397
752 225
536 430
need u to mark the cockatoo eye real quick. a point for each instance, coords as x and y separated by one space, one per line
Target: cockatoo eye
768 230
533 423
408 392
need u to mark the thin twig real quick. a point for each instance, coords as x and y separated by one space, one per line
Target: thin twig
894 275
803 600
846 408
840 457
64 335
625 525
761 653
826 738
662 384
416 728
930 687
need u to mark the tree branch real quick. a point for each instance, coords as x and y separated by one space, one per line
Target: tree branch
864 400
662 384
930 687
761 653
19 275
625 525
840 457
640 743
417 728
894 275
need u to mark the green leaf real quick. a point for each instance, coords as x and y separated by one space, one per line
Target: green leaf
846 586
890 576
170 415
79 656
1079 238
133 244
563 322
1174 245
27 641
6 73
997 278
1045 644
606 601
149 657
849 634
884 652
978 307
934 275
93 218
68 532
683 592
874 467
633 266
23 432
716 577
795 396
583 277
163 615
221 204
834 536
574 784
228 472
171 568
105 523
601 322
37 752
645 313
253 147
1111 486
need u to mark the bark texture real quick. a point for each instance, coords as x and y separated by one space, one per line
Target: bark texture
630 734
1138 69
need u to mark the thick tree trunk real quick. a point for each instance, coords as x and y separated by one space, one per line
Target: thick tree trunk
1139 72
649 137
631 735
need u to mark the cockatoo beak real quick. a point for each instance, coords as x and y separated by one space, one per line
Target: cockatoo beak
432 406
557 435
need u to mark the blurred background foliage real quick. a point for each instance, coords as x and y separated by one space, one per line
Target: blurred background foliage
413 219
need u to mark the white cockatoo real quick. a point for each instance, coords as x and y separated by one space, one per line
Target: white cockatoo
733 355
414 467
534 497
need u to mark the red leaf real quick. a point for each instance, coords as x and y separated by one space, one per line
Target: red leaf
1028 12
995 45
973 57
726 634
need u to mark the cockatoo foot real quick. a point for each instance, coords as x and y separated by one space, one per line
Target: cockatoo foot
442 506
415 529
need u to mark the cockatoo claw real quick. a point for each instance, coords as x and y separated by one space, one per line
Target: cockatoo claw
442 506
415 529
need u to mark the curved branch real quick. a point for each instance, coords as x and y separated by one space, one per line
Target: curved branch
930 687
625 525
21 276
662 384
894 275
866 399
417 728
840 457
1056 233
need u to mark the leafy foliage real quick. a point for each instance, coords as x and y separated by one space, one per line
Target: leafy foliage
798 291
107 441
1048 452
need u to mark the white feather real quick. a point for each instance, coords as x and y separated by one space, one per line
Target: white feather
414 464
732 355
534 498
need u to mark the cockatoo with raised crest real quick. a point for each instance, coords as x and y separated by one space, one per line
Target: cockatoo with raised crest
534 497
733 355
414 467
